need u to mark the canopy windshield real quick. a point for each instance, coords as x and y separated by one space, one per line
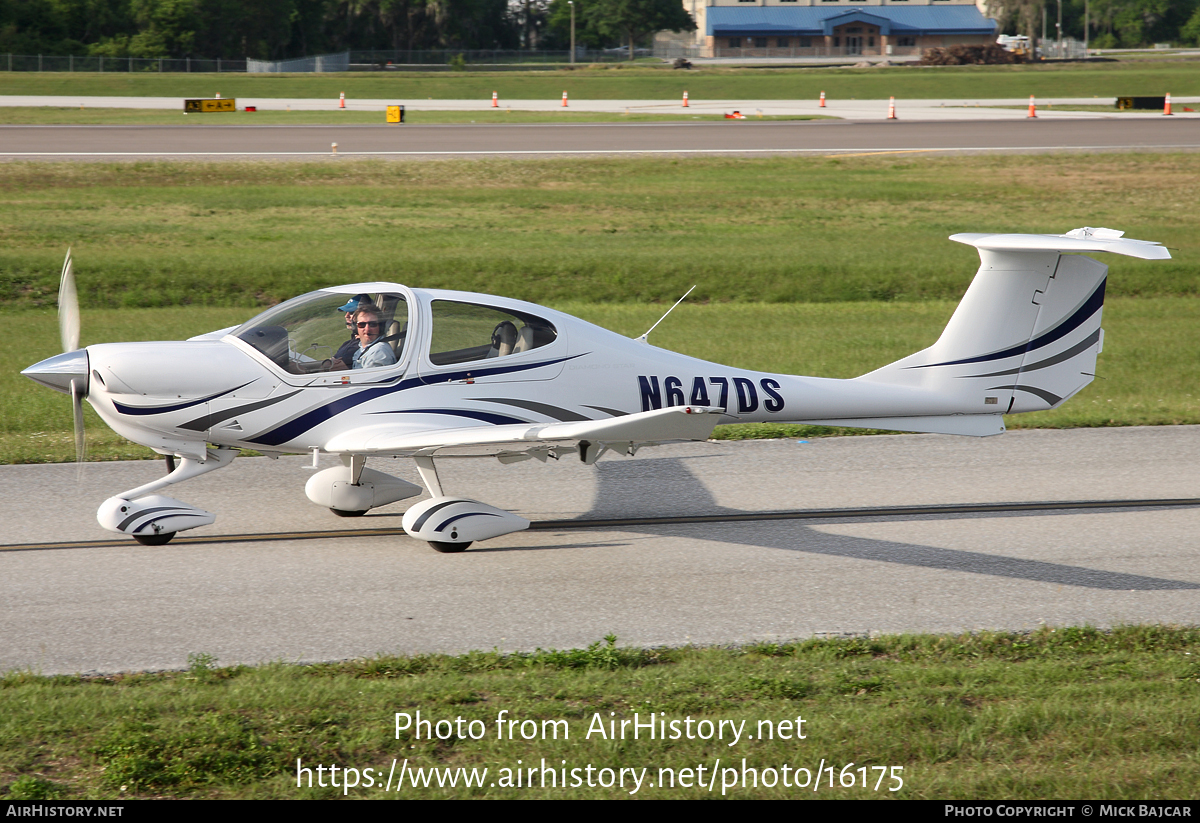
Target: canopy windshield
320 332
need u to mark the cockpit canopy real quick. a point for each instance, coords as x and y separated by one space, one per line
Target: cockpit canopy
335 330
311 333
466 332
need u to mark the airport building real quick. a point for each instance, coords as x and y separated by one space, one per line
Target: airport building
827 28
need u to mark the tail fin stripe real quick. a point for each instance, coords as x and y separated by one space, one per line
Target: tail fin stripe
1092 339
1090 306
1049 397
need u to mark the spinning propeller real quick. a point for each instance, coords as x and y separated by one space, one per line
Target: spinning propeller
68 331
67 372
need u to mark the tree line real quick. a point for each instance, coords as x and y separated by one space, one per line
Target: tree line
1110 24
278 29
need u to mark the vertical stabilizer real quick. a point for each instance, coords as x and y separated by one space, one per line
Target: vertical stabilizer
1026 334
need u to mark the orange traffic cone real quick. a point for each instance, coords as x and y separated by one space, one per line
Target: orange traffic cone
1167 105
1032 107
685 103
564 99
891 108
342 101
822 99
495 101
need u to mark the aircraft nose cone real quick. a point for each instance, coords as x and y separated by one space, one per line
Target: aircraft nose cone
57 372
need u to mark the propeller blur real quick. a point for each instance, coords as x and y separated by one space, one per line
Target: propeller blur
383 370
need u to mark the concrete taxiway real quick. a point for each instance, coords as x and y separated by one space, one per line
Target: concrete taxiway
291 586
518 140
948 109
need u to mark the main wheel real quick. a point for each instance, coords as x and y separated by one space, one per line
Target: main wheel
345 513
448 548
160 539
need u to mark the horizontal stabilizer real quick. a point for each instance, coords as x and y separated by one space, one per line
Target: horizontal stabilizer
658 425
1078 240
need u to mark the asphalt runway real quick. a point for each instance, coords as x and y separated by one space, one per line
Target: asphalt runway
748 137
269 593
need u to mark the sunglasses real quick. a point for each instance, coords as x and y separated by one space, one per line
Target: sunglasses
375 323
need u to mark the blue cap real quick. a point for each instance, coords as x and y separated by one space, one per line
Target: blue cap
353 303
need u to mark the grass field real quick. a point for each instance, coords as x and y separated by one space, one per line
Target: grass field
617 82
1146 377
165 251
1072 713
637 230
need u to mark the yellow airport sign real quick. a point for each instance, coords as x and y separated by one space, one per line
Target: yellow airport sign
210 104
395 114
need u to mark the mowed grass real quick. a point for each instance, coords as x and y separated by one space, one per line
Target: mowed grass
603 230
84 116
1068 713
656 82
1149 373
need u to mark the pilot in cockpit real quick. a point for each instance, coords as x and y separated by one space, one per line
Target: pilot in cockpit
373 351
345 353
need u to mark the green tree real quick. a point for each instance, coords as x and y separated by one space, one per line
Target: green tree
1190 33
634 20
586 32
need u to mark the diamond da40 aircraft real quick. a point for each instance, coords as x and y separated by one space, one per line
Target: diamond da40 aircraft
446 373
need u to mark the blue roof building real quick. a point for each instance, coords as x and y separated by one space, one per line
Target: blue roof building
828 28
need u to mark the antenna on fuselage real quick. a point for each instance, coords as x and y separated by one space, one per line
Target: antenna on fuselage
643 339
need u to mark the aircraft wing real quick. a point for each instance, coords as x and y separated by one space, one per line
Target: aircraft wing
656 426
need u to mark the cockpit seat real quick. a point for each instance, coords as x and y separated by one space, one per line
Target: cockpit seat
525 340
504 339
395 336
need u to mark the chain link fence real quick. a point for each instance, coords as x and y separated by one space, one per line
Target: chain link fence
342 61
383 60
94 63
1068 49
319 63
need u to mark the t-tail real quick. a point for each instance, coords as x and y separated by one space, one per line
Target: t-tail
1027 331
1026 334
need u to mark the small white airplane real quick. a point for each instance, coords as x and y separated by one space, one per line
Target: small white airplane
431 373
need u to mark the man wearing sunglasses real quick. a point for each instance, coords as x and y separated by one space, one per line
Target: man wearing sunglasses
345 352
372 351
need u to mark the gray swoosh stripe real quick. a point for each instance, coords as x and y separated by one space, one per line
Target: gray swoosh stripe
1049 361
432 510
209 420
1042 393
613 412
558 413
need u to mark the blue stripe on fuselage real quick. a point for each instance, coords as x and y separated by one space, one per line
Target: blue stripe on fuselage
141 410
309 420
